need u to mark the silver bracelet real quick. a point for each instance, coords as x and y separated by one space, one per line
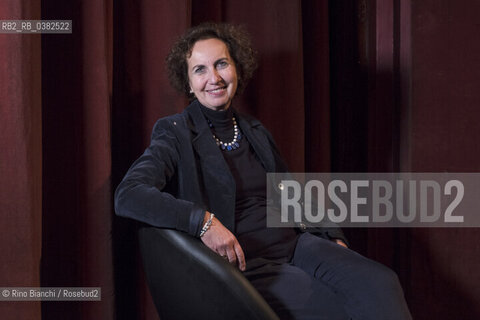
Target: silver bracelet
207 225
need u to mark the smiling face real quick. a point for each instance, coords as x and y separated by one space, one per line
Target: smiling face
212 74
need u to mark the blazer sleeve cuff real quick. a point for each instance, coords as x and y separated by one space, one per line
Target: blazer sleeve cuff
191 221
196 220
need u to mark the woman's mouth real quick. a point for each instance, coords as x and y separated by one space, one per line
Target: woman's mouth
217 91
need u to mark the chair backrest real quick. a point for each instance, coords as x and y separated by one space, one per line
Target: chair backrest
189 281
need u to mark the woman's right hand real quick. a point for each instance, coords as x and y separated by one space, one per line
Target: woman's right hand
222 241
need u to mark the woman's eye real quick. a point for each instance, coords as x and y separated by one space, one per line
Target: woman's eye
199 70
222 64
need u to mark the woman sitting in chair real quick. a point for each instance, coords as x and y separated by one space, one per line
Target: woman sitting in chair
204 173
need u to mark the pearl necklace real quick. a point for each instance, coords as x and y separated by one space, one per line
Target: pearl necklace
237 136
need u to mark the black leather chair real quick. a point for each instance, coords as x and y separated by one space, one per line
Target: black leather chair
189 281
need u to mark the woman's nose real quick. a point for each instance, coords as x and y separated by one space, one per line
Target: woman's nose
215 76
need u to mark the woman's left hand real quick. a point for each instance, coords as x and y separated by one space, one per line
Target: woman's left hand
340 242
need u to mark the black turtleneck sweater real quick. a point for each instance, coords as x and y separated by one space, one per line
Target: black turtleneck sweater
251 230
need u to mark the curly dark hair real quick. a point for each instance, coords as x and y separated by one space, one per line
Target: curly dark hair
235 38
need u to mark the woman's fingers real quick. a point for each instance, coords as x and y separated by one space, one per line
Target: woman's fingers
235 255
240 256
222 241
340 242
232 257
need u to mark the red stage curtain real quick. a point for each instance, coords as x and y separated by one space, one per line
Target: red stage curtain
77 190
20 160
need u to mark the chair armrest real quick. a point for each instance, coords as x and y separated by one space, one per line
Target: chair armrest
187 280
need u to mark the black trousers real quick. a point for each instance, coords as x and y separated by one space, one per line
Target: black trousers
327 281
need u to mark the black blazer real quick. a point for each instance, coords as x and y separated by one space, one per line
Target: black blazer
183 173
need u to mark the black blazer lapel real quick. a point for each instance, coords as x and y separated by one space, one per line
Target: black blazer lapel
217 179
